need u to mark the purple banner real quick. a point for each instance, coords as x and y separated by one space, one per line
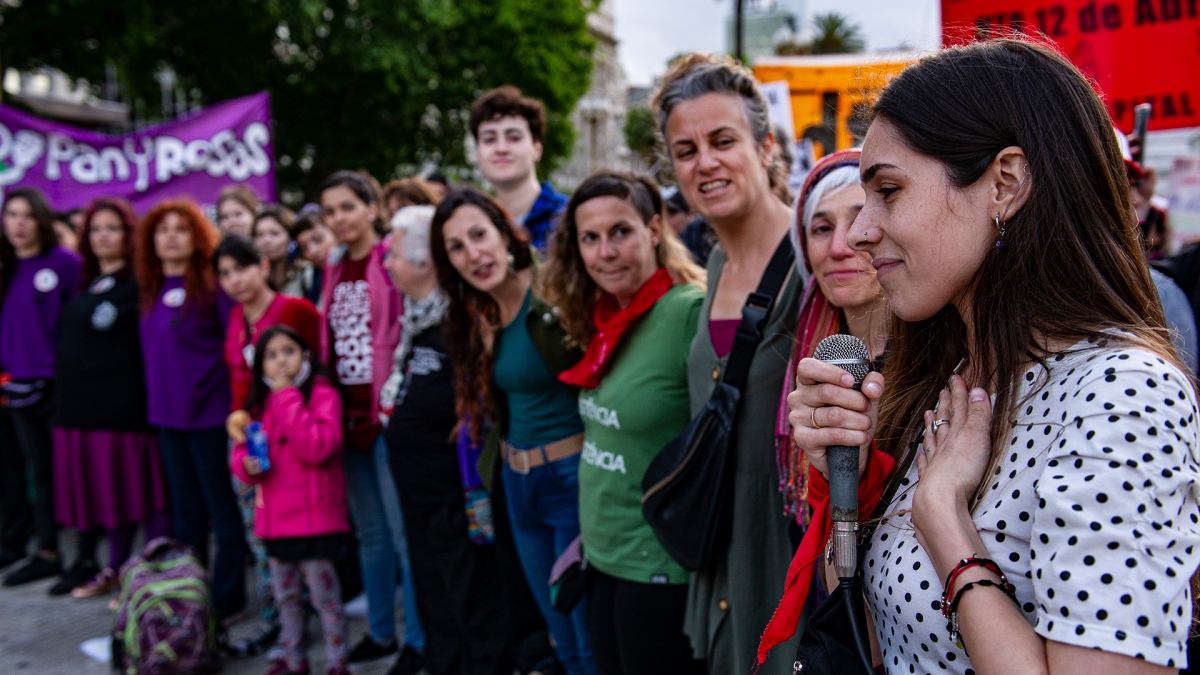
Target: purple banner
193 156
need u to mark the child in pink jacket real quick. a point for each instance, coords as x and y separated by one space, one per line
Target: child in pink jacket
300 513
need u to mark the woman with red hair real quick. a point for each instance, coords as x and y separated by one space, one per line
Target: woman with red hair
183 335
107 468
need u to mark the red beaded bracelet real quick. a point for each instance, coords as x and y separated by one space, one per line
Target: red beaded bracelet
962 566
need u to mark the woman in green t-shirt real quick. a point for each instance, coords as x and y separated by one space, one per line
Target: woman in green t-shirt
627 288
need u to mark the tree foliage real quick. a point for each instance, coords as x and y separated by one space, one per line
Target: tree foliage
834 34
640 134
379 85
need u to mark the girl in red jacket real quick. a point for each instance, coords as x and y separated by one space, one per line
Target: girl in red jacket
300 513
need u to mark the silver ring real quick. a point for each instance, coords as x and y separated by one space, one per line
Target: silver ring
933 428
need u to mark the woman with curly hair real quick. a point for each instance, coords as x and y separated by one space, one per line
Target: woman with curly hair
626 287
187 384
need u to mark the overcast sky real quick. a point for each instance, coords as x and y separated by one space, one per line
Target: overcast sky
652 31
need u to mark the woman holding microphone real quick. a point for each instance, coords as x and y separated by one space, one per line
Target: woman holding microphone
1044 494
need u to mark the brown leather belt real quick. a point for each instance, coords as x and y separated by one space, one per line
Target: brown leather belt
524 461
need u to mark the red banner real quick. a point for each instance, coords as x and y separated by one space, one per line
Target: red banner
1137 51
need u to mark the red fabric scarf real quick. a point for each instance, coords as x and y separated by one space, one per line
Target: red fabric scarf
612 322
800 573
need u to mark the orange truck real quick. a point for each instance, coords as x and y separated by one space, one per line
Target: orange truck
829 91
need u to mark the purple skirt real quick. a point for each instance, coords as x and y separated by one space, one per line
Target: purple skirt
106 478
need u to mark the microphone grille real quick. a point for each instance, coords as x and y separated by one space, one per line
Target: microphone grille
846 352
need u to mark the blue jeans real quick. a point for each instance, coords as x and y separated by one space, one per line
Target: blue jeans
543 506
197 468
375 509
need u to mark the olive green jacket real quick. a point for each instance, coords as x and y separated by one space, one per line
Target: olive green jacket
730 604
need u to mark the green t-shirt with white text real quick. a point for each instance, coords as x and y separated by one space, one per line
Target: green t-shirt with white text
641 403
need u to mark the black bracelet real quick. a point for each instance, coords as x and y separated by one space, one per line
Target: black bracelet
1003 585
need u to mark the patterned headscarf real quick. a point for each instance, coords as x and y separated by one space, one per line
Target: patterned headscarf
818 320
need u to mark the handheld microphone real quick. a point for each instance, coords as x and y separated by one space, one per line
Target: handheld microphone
850 354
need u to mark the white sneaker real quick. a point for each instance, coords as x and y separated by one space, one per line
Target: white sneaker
357 607
99 649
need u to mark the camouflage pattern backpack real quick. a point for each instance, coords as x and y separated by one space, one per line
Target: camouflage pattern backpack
165 623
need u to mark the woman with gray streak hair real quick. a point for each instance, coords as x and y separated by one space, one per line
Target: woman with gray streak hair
718 137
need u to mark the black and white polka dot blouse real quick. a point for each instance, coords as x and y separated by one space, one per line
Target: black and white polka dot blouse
1092 513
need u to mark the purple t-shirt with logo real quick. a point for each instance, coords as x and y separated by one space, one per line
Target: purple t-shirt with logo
187 383
40 287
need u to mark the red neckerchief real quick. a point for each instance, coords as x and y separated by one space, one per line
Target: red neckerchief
611 323
800 573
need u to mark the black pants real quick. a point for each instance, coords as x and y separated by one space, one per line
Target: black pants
466 630
16 514
32 427
637 628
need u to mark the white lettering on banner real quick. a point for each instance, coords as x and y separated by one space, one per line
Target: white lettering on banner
223 155
588 409
602 458
349 318
18 152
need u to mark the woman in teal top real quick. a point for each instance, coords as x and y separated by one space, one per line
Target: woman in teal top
508 348
628 289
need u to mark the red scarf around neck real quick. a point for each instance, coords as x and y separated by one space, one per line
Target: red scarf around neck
800 573
612 321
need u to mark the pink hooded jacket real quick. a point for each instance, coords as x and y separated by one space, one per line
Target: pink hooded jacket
304 492
386 307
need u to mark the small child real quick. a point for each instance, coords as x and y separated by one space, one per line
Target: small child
300 513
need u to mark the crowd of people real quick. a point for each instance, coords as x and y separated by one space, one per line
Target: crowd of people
462 391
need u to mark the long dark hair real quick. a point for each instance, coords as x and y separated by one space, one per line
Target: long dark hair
259 391
45 232
473 316
123 211
1071 265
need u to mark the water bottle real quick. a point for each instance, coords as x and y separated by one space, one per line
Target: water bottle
256 444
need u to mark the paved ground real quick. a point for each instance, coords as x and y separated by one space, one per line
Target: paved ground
40 634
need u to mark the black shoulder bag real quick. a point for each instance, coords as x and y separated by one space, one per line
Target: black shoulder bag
688 488
833 641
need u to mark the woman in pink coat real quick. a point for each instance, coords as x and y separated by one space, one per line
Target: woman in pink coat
300 513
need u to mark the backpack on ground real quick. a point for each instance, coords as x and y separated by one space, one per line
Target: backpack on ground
165 622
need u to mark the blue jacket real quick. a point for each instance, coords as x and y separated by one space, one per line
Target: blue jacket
543 216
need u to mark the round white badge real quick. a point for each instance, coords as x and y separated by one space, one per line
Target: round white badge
248 354
174 297
103 285
45 280
104 316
